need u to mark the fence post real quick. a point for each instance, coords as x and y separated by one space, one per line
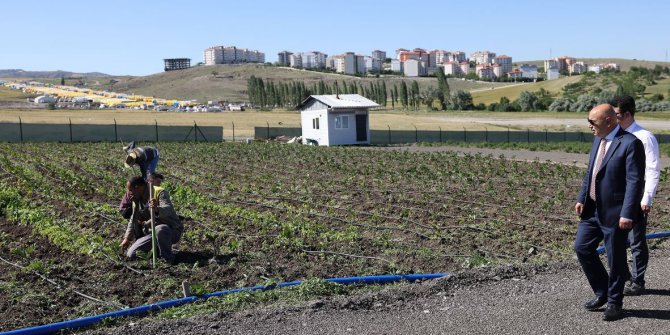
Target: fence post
486 134
156 123
527 135
70 129
465 136
116 134
416 134
440 134
507 134
546 138
233 131
389 133
195 131
268 123
21 129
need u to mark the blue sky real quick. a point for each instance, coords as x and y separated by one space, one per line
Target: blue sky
125 37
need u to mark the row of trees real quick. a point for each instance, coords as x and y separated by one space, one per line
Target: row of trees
578 96
269 95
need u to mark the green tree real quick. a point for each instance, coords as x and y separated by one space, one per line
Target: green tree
528 101
443 92
404 94
462 100
415 94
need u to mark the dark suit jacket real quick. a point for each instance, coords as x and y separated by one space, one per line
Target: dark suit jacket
619 182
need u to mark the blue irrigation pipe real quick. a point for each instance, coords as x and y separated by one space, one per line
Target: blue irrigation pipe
601 250
142 310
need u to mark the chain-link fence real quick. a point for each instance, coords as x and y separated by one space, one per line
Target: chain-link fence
390 136
69 132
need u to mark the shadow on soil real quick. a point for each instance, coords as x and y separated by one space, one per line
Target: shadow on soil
648 314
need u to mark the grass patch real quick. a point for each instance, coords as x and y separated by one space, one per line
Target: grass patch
309 289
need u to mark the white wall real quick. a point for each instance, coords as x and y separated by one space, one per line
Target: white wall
320 135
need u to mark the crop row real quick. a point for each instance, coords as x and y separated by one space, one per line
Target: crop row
278 212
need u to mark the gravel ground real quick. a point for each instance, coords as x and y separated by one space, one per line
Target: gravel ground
526 299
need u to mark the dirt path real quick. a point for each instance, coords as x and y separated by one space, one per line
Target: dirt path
523 155
506 300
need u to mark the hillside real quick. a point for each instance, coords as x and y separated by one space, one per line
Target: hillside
513 91
624 64
229 82
18 73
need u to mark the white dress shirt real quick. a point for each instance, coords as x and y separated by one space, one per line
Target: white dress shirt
652 169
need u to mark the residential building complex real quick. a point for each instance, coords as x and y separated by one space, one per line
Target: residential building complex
232 55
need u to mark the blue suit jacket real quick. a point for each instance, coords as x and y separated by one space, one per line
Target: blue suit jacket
619 182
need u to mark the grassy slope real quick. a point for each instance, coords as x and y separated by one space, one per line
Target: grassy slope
512 92
230 82
12 95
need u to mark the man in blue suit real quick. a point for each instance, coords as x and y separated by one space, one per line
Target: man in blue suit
608 206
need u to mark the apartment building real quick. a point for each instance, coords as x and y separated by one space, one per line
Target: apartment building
564 63
578 68
483 57
373 64
349 63
552 73
396 65
314 60
399 51
528 71
442 56
415 68
380 55
172 64
417 53
505 63
515 74
232 55
458 56
452 68
465 67
485 71
283 58
295 60
550 64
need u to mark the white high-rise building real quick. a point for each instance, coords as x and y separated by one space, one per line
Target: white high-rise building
232 55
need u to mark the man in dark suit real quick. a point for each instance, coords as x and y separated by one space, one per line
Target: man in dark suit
608 205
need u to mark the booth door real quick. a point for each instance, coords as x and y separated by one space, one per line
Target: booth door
361 128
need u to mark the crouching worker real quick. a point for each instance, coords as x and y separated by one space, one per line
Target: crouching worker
144 157
168 226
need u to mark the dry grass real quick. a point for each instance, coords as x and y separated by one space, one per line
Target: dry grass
512 92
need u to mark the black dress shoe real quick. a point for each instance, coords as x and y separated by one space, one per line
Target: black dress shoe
612 312
595 304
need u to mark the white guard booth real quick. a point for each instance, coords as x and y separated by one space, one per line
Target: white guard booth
337 119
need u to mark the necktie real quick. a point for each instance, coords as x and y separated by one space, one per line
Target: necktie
599 160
